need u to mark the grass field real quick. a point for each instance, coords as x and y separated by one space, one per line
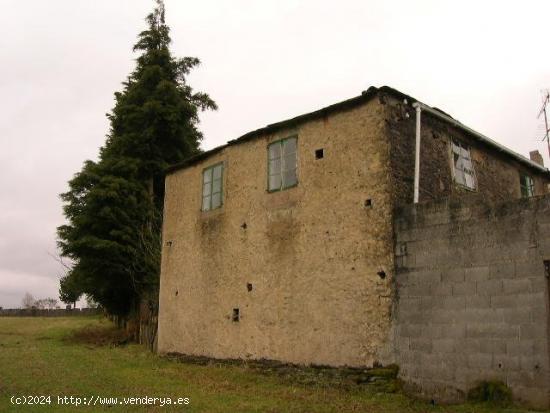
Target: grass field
75 357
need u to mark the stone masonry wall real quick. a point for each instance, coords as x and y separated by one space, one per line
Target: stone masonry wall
472 297
309 268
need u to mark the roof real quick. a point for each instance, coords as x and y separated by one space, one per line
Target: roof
363 98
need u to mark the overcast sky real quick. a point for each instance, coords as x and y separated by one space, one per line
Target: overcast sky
483 62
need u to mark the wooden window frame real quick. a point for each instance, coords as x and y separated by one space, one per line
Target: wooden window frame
528 189
210 184
462 146
282 170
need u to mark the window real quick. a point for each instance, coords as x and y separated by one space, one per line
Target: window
212 187
463 169
282 164
527 186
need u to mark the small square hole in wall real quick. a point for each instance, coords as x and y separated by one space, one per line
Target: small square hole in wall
319 153
236 316
547 268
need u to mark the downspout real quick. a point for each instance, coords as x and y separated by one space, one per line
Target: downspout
418 108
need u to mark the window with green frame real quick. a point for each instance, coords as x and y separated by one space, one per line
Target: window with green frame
527 186
282 163
212 187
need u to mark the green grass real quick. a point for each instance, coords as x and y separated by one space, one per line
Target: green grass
73 356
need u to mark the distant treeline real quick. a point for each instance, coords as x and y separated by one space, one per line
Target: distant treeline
57 312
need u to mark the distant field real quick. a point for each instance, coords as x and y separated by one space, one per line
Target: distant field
76 357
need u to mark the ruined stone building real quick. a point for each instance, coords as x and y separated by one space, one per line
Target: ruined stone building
300 242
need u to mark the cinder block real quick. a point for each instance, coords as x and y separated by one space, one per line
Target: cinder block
477 330
480 361
400 249
480 256
536 363
516 348
415 290
535 300
425 277
429 303
443 345
420 317
532 331
525 253
492 346
538 283
426 259
439 218
505 362
420 344
483 315
441 289
505 331
408 371
438 302
540 347
478 302
492 330
454 303
409 330
489 287
453 275
465 288
443 316
516 286
479 273
408 304
455 358
411 357
416 246
438 372
504 301
464 376
456 330
502 271
536 397
427 359
468 345
409 261
521 378
516 315
402 344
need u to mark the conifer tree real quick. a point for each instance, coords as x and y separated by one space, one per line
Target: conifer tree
114 206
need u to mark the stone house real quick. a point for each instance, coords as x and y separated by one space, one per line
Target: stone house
300 242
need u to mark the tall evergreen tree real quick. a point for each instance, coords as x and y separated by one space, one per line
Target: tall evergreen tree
114 206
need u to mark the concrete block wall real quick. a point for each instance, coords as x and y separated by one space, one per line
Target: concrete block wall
472 297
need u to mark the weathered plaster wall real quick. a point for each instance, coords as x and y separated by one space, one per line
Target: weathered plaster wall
311 253
498 175
472 296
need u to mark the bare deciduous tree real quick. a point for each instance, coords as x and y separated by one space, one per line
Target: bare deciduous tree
46 303
28 301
